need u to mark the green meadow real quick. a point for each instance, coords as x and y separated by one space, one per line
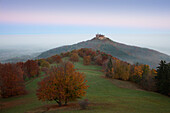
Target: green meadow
103 96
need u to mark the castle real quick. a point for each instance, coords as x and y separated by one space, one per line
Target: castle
100 36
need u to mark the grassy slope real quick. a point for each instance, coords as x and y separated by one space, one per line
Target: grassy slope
106 97
25 102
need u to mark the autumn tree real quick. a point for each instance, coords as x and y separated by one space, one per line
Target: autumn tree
54 59
67 54
63 84
98 60
147 81
109 69
137 73
121 70
31 69
74 57
86 60
43 63
87 52
11 80
125 71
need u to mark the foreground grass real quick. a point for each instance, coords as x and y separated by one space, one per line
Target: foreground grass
24 103
103 96
107 98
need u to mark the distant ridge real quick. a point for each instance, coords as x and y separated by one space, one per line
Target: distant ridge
131 54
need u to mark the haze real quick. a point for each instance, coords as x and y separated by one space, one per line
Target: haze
45 24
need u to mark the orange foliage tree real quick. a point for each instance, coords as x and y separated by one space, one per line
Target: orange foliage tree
63 84
11 80
31 69
86 60
54 59
137 73
74 57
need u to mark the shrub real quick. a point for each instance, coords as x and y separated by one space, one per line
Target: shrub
84 104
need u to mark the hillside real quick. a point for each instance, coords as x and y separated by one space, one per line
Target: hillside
103 95
131 54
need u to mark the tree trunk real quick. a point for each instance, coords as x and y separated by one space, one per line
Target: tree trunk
65 102
59 102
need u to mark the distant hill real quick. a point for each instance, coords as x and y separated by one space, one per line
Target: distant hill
131 54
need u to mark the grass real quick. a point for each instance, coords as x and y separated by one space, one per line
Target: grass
25 102
103 95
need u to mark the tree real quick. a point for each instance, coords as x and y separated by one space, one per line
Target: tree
11 80
31 69
110 70
67 54
63 84
125 71
137 73
74 57
86 60
163 78
98 60
43 63
54 59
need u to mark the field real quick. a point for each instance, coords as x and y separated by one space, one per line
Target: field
104 97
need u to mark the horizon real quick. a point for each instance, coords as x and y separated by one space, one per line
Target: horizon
43 42
37 23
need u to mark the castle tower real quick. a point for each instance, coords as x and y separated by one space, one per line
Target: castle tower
100 36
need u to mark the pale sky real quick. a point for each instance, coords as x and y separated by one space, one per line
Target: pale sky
53 23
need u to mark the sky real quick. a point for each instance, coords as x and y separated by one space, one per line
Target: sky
143 23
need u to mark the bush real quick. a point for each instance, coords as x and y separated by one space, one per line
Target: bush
84 104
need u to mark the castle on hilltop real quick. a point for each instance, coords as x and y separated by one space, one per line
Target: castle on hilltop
100 36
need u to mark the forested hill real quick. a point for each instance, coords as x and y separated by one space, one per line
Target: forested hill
131 54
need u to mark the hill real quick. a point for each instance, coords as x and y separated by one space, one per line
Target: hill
103 95
131 54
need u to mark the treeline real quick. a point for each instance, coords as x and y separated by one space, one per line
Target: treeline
147 78
13 77
163 78
138 73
